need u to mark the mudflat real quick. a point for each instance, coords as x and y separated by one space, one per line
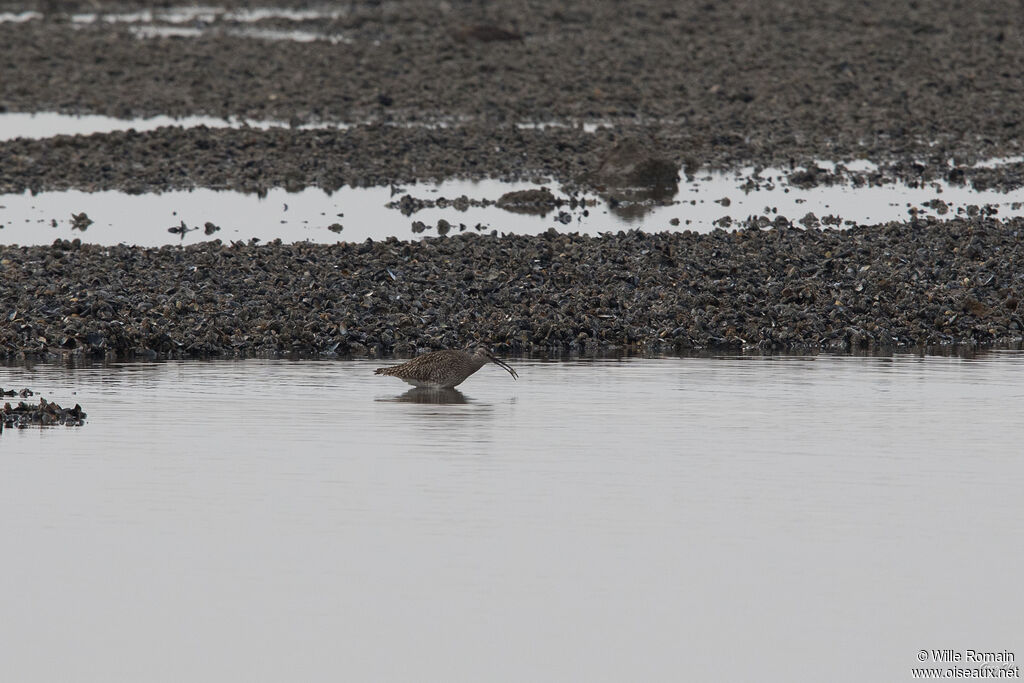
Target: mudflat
718 83
521 90
923 283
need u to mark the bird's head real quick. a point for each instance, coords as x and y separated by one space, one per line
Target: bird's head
487 356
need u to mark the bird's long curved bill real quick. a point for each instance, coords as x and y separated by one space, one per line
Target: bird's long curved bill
506 366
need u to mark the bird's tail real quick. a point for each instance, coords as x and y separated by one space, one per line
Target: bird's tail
382 371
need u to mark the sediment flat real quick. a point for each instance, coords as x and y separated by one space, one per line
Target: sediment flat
920 86
877 287
437 91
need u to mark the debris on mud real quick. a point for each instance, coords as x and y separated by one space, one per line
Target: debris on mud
538 201
42 414
80 221
409 205
181 230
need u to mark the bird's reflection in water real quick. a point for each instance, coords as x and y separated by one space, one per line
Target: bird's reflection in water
433 396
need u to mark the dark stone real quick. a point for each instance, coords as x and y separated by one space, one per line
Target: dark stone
631 163
486 33
42 414
539 201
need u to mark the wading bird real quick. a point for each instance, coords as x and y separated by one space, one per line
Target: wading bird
444 369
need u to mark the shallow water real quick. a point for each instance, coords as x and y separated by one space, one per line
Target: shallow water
144 219
39 125
307 215
702 203
661 519
197 22
187 14
150 31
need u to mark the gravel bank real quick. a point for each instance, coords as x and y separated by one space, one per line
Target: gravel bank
895 285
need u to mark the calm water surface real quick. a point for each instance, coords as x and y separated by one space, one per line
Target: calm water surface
712 519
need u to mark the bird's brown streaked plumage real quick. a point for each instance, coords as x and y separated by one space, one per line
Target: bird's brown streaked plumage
444 369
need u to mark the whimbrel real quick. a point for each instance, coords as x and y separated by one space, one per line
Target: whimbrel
443 369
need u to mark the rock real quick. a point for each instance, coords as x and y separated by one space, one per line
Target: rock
810 221
43 414
485 33
538 202
80 221
634 164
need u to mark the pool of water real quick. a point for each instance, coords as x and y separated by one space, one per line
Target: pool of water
196 22
700 204
703 202
40 125
771 519
187 14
